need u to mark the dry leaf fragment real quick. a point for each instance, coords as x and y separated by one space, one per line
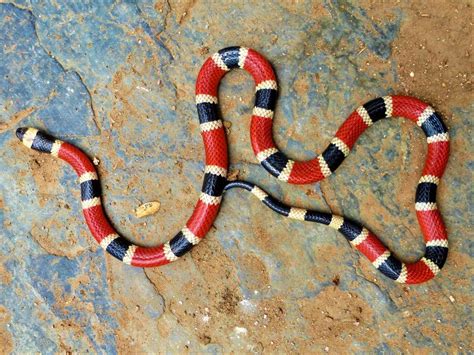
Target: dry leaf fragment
147 209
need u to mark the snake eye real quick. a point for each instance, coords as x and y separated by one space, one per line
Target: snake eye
20 132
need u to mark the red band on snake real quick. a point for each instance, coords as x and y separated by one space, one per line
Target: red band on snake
277 164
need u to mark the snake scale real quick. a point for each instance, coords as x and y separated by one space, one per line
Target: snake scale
277 164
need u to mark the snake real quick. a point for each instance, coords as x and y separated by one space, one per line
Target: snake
215 181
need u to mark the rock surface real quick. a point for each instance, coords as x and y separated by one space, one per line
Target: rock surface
118 80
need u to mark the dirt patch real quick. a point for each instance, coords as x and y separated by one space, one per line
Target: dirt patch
16 118
45 171
66 244
335 316
6 343
433 61
211 305
255 276
123 109
68 328
5 276
263 239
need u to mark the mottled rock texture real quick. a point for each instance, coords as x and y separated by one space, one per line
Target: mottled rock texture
117 78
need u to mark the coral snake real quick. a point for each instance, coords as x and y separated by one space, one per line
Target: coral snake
277 164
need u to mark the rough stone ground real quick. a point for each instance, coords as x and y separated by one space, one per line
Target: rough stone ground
118 80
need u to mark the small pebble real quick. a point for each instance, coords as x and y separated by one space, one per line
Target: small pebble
96 161
412 75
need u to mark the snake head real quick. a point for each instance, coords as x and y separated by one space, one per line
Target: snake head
35 139
27 135
20 133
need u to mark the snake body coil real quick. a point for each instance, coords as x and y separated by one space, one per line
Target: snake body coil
277 164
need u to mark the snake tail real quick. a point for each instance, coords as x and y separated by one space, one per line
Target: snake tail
361 238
